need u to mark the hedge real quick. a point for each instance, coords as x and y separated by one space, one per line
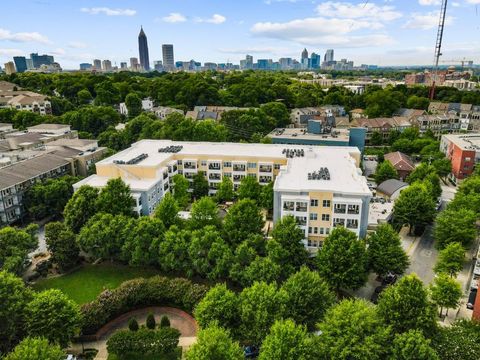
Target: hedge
137 293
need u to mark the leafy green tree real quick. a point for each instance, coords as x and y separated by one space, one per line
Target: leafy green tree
62 244
164 322
167 211
445 292
52 315
142 241
432 182
247 252
173 251
242 220
14 297
204 212
262 268
134 105
385 171
382 103
225 190
412 345
249 189
352 329
32 348
385 252
199 185
279 112
214 343
461 341
420 173
414 207
180 190
418 102
84 97
91 119
455 226
150 322
220 305
342 261
260 306
443 167
308 297
450 259
405 306
266 197
15 244
376 138
287 341
116 199
133 324
80 207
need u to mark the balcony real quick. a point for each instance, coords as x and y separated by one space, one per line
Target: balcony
301 207
214 166
189 165
338 222
301 220
238 178
238 167
353 209
352 224
265 168
265 179
340 209
288 205
217 177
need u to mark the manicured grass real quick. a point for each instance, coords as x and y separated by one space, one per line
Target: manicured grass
174 356
84 284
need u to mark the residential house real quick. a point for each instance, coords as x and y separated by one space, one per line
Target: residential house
401 162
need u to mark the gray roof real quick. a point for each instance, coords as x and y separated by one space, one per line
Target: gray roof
13 143
29 169
47 126
389 187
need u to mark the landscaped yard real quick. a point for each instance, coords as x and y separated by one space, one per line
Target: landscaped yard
174 356
85 284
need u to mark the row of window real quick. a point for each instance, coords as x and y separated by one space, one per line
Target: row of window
325 203
314 230
228 164
314 216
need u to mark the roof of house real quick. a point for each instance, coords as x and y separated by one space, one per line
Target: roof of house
389 187
25 99
8 86
357 111
398 121
400 161
14 142
48 127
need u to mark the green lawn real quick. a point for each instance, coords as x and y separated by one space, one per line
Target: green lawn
85 284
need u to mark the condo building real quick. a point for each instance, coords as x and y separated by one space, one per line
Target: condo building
322 187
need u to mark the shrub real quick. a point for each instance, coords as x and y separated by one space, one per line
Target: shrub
138 293
164 322
133 324
150 323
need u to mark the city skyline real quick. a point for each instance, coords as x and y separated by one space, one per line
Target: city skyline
375 32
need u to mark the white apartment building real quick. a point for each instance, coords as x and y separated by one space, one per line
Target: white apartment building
147 105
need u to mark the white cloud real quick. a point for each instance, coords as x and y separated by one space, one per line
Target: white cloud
77 45
174 18
473 1
426 21
23 36
10 52
429 2
108 11
215 19
255 50
57 51
363 11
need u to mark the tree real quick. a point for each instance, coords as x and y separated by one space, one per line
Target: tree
455 226
260 306
414 207
461 341
173 251
52 315
164 322
133 324
219 306
214 343
142 241
62 244
204 212
150 322
15 244
225 190
116 198
84 97
167 211
418 102
376 138
405 306
262 268
445 292
385 171
432 182
412 345
382 103
420 173
342 261
266 197
180 190
134 105
352 329
199 185
32 348
385 252
80 207
443 167
450 259
308 297
14 297
249 189
243 219
287 341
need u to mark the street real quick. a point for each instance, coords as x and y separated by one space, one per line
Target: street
423 257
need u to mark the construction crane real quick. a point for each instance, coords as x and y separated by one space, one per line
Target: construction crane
462 61
438 46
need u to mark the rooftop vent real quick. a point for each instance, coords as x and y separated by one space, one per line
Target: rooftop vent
171 149
291 153
133 161
322 174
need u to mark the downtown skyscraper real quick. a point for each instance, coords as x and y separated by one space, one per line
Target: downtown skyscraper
143 50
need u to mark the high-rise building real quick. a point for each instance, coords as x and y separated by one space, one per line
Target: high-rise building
39 60
97 64
168 58
158 65
29 64
134 63
143 50
85 66
304 54
107 65
20 63
315 61
123 65
10 68
249 61
329 56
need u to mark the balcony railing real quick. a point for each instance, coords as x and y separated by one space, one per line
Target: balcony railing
188 165
239 168
214 177
340 209
353 210
215 166
265 168
302 207
352 224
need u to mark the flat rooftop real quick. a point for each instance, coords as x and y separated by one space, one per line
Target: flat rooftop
340 135
465 141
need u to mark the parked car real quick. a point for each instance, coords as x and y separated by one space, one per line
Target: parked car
471 299
250 352
390 279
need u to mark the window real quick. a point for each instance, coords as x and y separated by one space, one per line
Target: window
338 222
252 165
327 231
326 203
301 206
309 229
288 205
352 223
227 164
314 202
301 220
179 162
468 159
276 166
315 230
203 163
252 175
227 174
313 216
322 230
340 208
325 217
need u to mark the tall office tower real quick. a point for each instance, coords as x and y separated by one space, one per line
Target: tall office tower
10 68
249 61
39 60
29 64
304 54
329 55
133 63
85 66
315 61
20 63
107 65
168 59
123 65
97 64
143 50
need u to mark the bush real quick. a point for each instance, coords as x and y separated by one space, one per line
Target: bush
150 323
164 322
133 324
138 293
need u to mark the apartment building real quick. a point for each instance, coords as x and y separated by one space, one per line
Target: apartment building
321 186
381 125
438 124
464 152
468 115
13 96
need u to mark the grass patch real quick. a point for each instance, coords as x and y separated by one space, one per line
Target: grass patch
84 284
173 356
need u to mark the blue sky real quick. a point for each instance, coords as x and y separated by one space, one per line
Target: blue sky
384 32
